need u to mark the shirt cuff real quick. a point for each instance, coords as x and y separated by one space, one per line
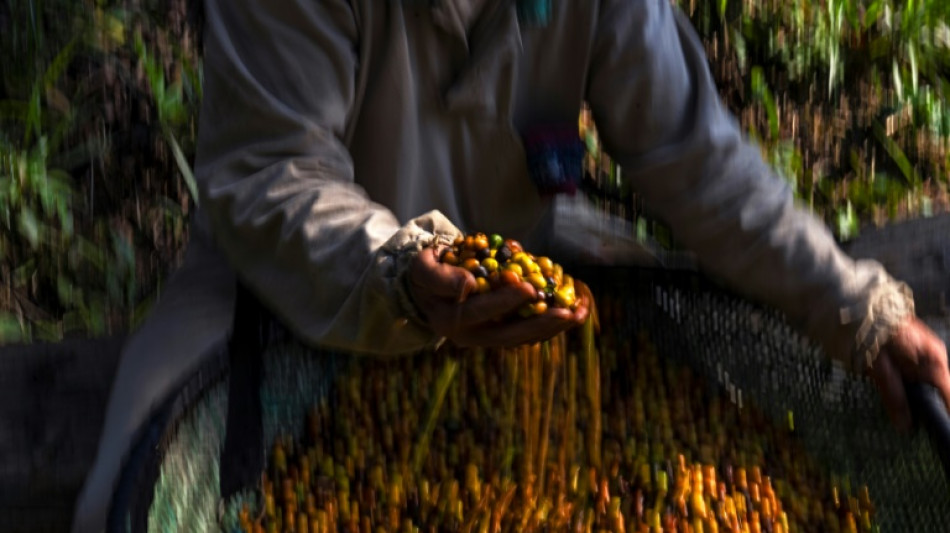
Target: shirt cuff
887 307
427 231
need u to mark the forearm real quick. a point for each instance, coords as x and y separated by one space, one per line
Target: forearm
327 263
278 183
744 226
660 116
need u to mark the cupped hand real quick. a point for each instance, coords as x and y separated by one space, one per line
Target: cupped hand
913 353
446 296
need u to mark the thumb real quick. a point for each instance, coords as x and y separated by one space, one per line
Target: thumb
430 276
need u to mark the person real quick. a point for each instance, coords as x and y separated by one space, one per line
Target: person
341 142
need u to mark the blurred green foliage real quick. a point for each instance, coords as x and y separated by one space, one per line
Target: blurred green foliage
848 98
97 110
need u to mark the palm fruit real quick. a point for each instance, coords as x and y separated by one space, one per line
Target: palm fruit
495 262
507 448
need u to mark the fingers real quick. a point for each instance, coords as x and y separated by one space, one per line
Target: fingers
919 355
442 291
431 277
519 331
891 386
496 304
526 330
449 318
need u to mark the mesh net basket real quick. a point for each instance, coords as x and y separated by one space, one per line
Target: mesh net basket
745 353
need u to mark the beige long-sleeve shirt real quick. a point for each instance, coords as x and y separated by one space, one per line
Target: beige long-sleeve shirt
328 126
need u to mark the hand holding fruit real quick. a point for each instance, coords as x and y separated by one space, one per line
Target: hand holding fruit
475 296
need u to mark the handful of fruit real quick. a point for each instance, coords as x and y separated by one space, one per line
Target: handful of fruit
496 262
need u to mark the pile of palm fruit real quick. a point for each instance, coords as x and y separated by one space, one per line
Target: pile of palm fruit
591 431
496 261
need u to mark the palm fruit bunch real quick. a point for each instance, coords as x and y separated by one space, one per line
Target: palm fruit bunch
496 261
588 432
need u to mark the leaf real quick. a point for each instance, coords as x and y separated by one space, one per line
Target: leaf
913 69
872 13
58 66
851 15
787 162
29 226
897 155
94 317
61 192
183 165
10 329
847 222
23 273
832 69
156 79
139 45
90 253
761 91
153 73
15 190
65 219
898 84
738 41
171 110
906 19
33 116
111 27
65 290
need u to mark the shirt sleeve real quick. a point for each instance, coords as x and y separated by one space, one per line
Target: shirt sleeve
277 180
659 114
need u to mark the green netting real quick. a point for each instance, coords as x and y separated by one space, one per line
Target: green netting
747 352
186 494
839 416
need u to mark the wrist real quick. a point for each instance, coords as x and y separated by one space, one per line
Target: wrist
431 230
888 307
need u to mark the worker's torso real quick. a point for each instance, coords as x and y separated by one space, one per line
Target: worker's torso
444 95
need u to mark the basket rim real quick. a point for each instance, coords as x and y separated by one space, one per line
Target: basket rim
132 497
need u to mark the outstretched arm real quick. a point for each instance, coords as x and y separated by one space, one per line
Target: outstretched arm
659 114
